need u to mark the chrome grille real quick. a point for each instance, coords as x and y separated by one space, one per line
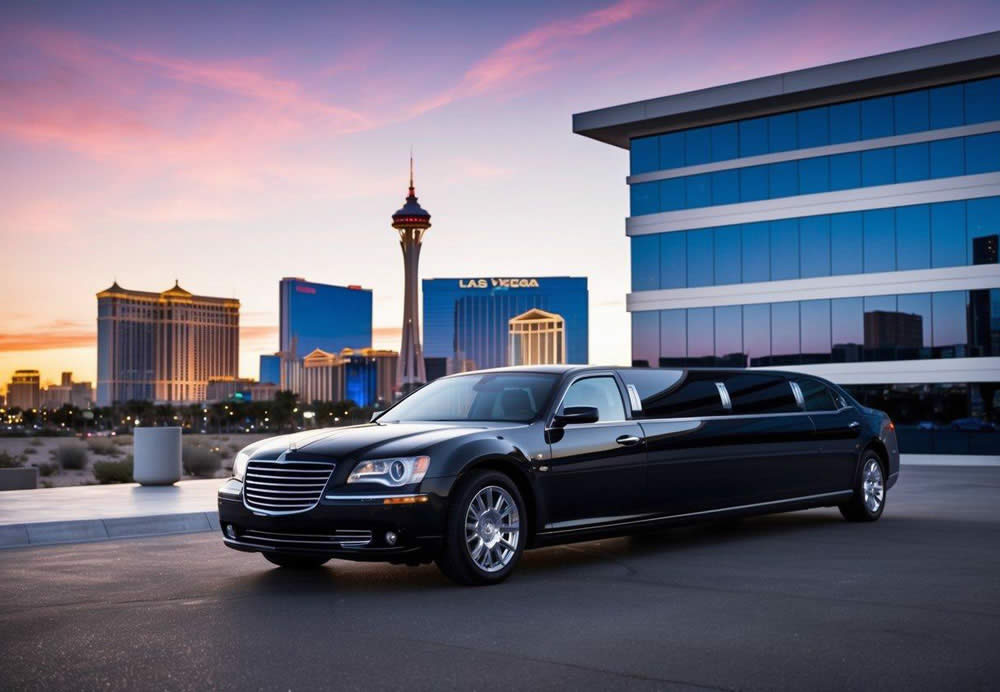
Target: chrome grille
281 487
344 538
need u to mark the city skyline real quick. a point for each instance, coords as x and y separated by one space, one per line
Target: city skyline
147 149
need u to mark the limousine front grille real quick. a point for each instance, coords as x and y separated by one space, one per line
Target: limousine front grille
281 487
344 538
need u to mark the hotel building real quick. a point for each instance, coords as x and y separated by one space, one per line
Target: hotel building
24 391
365 376
840 220
322 316
163 347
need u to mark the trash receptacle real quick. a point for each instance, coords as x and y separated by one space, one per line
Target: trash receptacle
157 456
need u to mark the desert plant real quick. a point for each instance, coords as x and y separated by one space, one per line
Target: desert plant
35 442
48 469
199 461
8 460
29 450
122 440
71 456
118 471
103 446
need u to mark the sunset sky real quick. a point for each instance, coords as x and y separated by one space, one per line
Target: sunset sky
228 144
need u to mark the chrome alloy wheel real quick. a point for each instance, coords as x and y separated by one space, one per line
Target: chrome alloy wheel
873 486
492 528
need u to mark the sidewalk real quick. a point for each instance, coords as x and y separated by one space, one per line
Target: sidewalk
101 512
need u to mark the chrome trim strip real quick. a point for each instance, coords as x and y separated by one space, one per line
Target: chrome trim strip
797 391
371 497
667 517
634 399
290 461
727 403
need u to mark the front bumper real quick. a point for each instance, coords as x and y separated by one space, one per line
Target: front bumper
350 529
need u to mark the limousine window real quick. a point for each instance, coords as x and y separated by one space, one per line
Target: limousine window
760 394
677 394
510 397
601 392
817 396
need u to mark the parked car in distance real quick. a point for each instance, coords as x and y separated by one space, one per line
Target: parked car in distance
472 469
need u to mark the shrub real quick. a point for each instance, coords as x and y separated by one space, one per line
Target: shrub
118 471
103 446
122 440
71 456
35 442
8 460
48 469
199 461
30 450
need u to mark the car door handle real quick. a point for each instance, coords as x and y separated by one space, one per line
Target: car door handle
628 440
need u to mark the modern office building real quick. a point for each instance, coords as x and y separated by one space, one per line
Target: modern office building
537 337
330 318
24 390
467 321
270 368
840 220
163 347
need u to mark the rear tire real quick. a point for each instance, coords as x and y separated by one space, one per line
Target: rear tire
868 501
296 561
484 538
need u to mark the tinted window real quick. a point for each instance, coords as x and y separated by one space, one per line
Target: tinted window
982 155
913 163
947 157
672 194
673 338
697 146
503 397
645 262
911 112
645 155
672 150
760 394
693 395
845 171
947 106
726 187
814 127
673 260
700 259
645 337
699 190
600 392
753 137
913 237
816 396
724 142
756 248
727 255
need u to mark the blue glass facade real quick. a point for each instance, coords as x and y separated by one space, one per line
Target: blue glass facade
467 319
330 318
270 369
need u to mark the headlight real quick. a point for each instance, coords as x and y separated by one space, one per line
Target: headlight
240 465
395 472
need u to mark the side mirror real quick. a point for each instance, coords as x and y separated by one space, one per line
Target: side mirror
576 414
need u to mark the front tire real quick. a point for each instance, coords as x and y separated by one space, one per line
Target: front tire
290 561
484 538
868 500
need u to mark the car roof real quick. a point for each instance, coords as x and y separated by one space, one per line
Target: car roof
568 368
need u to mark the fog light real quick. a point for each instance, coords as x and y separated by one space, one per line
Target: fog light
231 531
391 537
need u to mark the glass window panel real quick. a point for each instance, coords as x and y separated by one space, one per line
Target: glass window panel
700 258
948 246
814 175
947 107
782 132
913 162
672 194
784 249
753 137
913 335
845 122
756 246
726 187
672 150
948 323
645 334
984 325
817 396
876 117
785 348
982 153
846 243
881 319
947 157
813 127
599 392
645 262
753 183
815 337
814 241
757 334
727 255
983 226
695 395
645 154
725 141
673 259
757 393
847 329
982 101
845 171
697 146
783 179
645 198
699 190
729 337
701 335
911 112
878 167
880 240
913 237
673 337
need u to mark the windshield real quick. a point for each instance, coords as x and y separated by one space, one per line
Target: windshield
516 397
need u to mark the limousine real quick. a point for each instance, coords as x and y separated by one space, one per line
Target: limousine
472 469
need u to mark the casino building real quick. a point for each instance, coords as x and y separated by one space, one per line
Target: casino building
841 220
467 322
313 315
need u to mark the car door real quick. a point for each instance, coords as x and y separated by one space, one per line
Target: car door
837 432
596 469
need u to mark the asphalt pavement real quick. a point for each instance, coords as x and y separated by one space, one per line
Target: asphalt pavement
801 601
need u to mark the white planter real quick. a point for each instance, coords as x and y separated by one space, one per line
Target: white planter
157 456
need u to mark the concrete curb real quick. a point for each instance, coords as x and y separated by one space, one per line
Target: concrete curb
90 530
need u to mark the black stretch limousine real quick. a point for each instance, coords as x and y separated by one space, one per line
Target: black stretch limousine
472 469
